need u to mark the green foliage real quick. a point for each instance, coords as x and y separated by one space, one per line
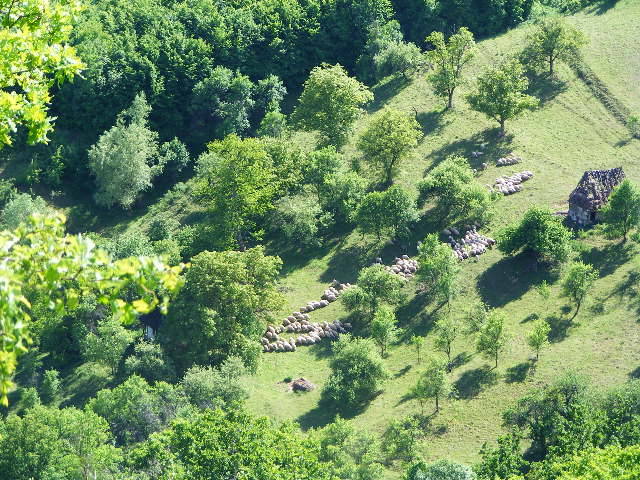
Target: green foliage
633 124
50 443
128 244
622 211
7 191
123 161
553 39
320 166
447 330
108 344
149 362
232 444
538 337
162 228
437 268
476 317
539 232
351 454
383 328
330 103
388 139
357 373
560 417
274 124
40 261
50 388
389 212
135 410
174 156
500 93
35 52
237 179
448 60
418 342
503 461
432 383
375 287
341 194
459 196
578 281
401 438
612 463
439 470
385 53
221 387
300 219
221 311
492 337
20 207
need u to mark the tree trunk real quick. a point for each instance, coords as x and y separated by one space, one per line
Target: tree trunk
575 314
450 102
502 130
551 61
437 404
496 360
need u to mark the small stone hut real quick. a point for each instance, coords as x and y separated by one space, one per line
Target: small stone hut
591 194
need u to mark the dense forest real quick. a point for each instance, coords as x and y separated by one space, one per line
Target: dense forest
179 177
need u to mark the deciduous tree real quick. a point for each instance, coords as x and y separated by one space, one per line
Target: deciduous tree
227 299
108 344
357 372
577 282
553 39
383 328
538 338
390 136
437 268
449 59
539 232
432 383
492 337
375 287
330 103
124 160
35 52
447 330
622 212
500 93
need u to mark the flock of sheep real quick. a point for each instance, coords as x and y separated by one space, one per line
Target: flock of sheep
471 243
508 185
402 266
510 159
298 322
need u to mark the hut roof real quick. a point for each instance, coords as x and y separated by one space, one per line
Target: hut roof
595 187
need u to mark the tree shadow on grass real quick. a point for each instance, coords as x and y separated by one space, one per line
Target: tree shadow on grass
84 383
387 89
487 141
347 262
518 373
402 371
546 88
510 278
559 328
607 259
530 318
433 122
600 7
472 382
635 374
459 360
326 413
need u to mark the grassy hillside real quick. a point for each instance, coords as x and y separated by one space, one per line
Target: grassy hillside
570 133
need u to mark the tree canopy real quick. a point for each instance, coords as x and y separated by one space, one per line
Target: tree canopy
330 103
